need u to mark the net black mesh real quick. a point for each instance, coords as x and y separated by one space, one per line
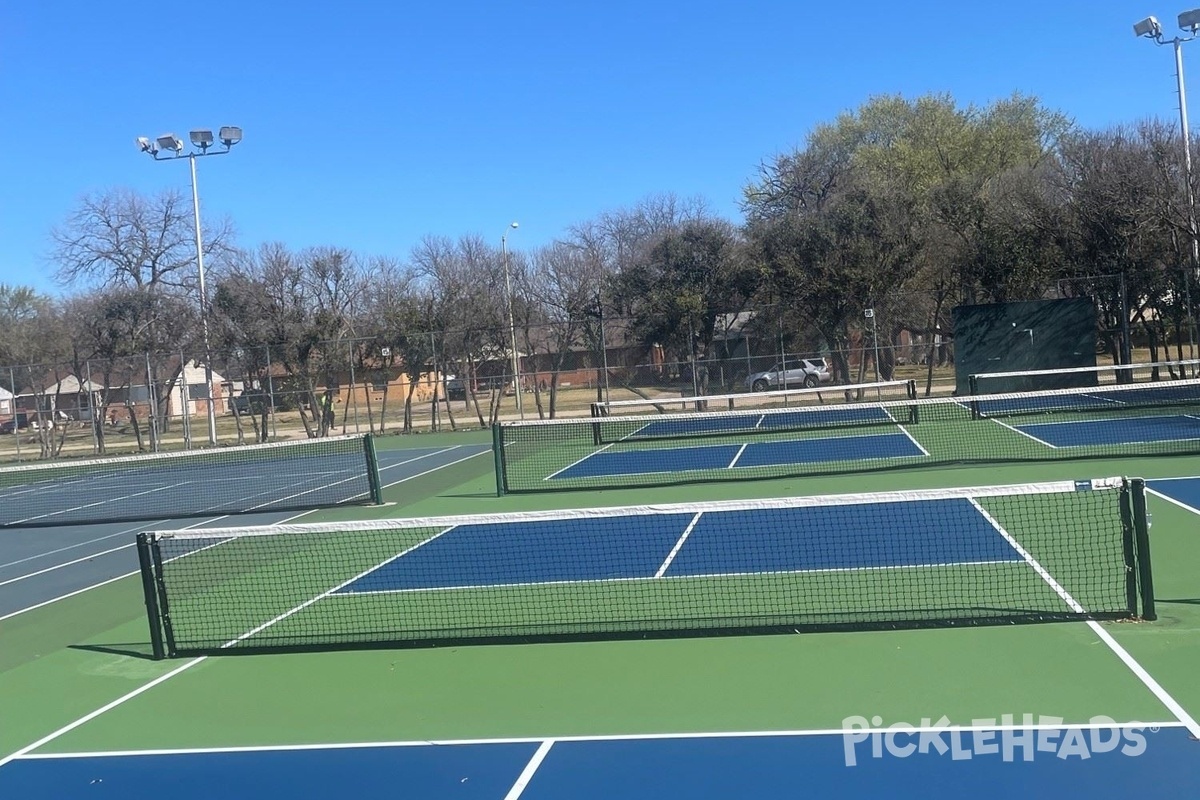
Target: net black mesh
280 476
1024 553
623 451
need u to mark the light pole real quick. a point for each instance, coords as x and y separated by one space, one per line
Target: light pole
869 313
512 323
1151 29
201 139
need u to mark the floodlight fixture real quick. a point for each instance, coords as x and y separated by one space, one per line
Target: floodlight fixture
514 225
1190 20
1149 28
169 141
230 135
202 139
146 146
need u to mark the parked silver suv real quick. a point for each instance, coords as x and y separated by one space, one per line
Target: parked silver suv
808 372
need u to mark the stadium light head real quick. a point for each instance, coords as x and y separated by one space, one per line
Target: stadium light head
1149 28
230 136
201 138
169 141
1190 20
146 146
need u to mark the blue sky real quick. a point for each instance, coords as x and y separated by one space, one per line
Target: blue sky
371 124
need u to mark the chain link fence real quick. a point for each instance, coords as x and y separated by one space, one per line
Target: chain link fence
443 380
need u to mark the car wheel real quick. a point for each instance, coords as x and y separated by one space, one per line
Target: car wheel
810 381
760 385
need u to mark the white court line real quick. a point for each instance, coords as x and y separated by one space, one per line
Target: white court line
1137 669
738 455
18 522
67 563
328 592
91 716
610 737
580 461
526 775
904 430
679 544
107 581
1023 433
183 667
58 550
1170 499
692 576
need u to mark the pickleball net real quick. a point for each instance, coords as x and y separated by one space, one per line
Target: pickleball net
277 476
1142 372
1034 552
1146 419
778 398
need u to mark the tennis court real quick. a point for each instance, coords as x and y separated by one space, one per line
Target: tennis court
1080 708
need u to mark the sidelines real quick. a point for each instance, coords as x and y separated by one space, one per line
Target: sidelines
586 581
906 432
56 551
189 664
1023 433
1145 677
1170 499
603 737
580 461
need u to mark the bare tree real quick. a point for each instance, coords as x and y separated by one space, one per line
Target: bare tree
119 238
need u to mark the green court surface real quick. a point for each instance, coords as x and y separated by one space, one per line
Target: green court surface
62 663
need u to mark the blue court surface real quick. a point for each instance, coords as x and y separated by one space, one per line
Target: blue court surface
871 536
1183 492
1099 432
984 762
603 462
777 419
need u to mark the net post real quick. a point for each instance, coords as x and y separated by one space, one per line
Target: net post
973 389
373 470
911 389
164 609
1128 551
1141 531
597 412
145 541
498 457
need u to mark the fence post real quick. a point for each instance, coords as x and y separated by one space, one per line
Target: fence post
152 404
93 417
603 348
353 385
184 402
12 380
271 392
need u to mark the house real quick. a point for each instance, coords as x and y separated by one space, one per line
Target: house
7 404
192 394
67 396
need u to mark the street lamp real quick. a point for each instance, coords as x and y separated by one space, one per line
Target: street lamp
201 140
512 324
1150 28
